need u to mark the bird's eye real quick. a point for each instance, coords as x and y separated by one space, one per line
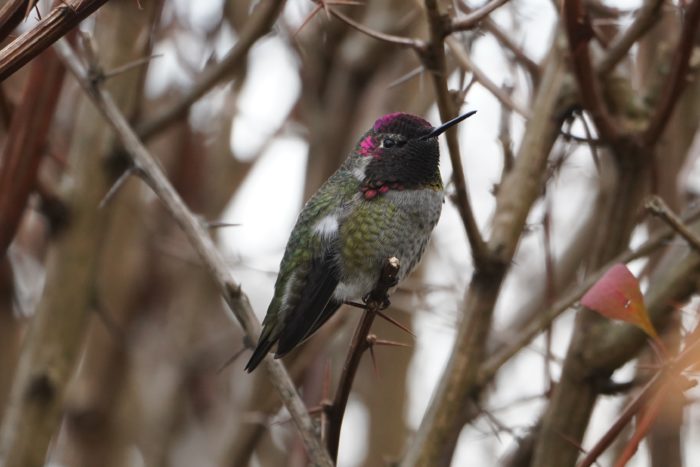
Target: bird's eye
388 143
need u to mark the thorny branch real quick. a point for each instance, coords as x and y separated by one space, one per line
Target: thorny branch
360 343
521 57
655 388
473 19
12 13
433 59
199 238
259 23
568 299
466 63
415 44
659 208
63 18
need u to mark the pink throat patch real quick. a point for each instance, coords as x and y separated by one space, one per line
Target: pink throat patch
376 188
367 147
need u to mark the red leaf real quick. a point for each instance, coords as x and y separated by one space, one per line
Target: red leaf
616 295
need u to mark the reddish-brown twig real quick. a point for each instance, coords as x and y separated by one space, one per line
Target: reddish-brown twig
25 142
52 27
653 389
678 76
579 32
12 13
644 424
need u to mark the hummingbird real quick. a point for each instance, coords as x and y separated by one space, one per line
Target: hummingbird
383 201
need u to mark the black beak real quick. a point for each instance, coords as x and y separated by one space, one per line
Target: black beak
435 132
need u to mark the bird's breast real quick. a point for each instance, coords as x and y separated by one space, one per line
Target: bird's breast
397 223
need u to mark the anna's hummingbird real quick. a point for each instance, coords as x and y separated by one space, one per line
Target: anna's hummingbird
383 201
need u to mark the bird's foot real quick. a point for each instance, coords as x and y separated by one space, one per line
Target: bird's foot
382 302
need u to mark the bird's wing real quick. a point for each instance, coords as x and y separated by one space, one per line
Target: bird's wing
315 303
302 301
308 277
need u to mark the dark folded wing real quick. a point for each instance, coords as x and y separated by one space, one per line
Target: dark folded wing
315 305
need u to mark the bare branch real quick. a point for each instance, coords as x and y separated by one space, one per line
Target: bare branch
520 56
232 293
460 387
568 299
678 76
647 16
433 58
475 17
415 44
580 32
465 62
659 208
257 25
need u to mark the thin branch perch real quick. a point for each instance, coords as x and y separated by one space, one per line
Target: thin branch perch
360 343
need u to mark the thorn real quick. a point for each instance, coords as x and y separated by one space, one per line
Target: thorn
396 323
371 340
117 185
355 304
113 328
59 159
36 10
325 398
326 388
68 5
406 77
389 343
91 56
220 224
128 66
320 409
308 18
31 4
232 359
323 4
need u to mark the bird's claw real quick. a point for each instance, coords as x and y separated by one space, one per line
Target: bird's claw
382 302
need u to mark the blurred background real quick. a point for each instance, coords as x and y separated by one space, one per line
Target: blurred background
138 330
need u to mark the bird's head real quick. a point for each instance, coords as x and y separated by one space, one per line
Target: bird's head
400 151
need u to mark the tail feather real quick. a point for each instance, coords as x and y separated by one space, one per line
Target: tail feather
298 331
264 345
